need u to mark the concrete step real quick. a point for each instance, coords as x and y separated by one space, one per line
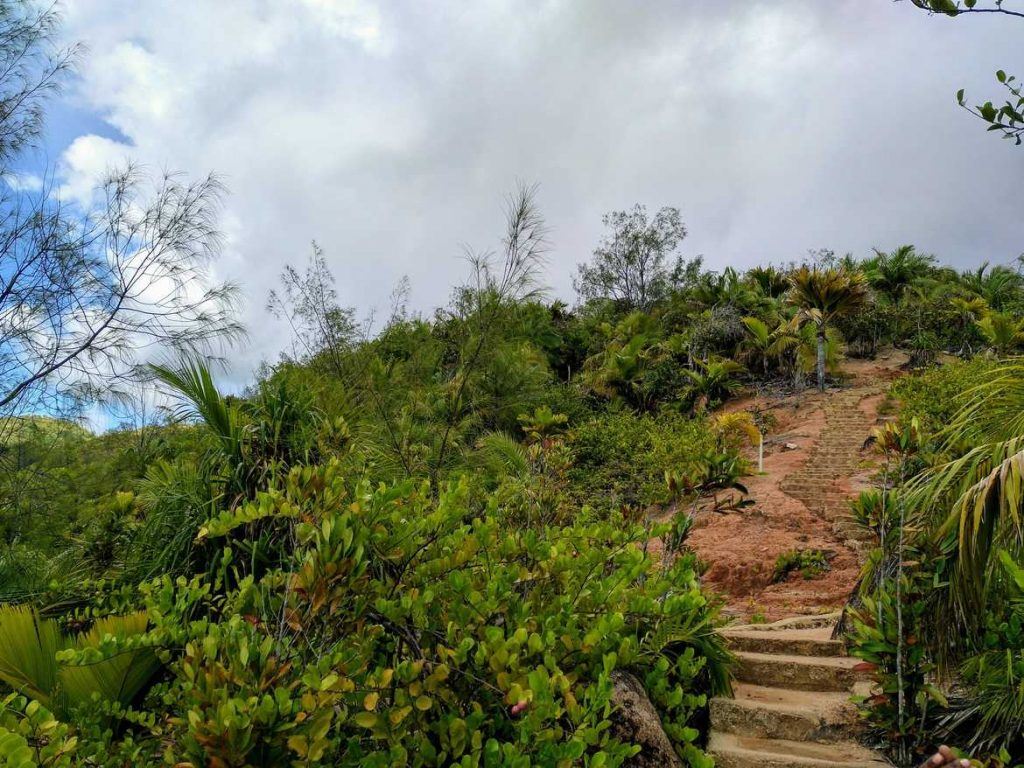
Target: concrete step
775 713
732 751
801 673
797 641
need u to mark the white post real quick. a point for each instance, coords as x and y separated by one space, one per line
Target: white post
760 452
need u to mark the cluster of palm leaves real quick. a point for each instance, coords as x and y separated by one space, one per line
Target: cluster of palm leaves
31 645
983 303
972 496
249 444
636 362
951 541
797 334
792 321
821 296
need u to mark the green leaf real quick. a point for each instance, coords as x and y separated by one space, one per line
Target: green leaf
365 719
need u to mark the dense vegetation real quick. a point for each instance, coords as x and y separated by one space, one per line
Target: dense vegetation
430 546
941 608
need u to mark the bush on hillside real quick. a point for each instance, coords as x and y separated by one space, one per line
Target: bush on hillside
936 395
620 458
402 630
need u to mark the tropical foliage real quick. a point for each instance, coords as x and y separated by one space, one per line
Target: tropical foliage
434 541
431 545
941 598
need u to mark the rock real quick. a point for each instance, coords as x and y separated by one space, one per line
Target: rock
636 721
789 446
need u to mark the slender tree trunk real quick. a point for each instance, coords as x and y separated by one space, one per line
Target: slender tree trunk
821 358
901 703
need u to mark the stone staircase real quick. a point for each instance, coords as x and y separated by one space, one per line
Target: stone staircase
791 705
835 456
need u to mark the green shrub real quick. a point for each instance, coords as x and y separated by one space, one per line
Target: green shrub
901 667
405 631
809 562
620 458
987 709
936 395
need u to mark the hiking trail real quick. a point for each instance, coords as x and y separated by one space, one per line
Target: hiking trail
791 705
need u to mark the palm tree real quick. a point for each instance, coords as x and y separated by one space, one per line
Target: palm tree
191 382
1002 331
976 499
727 289
771 281
711 381
763 344
805 345
822 295
617 372
968 311
997 286
892 273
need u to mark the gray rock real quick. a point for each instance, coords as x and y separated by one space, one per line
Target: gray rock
636 721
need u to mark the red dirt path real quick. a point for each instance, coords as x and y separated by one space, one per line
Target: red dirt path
740 548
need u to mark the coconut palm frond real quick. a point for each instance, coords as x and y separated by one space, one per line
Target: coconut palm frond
199 398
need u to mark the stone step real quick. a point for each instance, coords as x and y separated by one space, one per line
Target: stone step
799 641
801 673
733 751
818 488
775 713
852 531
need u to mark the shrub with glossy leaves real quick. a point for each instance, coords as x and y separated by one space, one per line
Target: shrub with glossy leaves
405 631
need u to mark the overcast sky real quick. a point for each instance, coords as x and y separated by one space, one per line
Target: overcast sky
389 132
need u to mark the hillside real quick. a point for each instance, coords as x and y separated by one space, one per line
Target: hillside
470 536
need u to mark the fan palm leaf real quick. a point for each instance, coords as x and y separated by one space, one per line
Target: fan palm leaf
29 646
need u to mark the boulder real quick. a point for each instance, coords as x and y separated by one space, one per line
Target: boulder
636 721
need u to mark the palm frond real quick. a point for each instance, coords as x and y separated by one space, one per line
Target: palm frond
199 398
29 645
501 454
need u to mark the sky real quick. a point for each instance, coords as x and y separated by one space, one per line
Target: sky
391 132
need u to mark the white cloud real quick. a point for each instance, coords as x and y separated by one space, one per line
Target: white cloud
351 19
390 132
86 162
24 182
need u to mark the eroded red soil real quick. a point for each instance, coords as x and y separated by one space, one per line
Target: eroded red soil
815 458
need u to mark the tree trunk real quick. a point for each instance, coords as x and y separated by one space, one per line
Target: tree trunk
821 358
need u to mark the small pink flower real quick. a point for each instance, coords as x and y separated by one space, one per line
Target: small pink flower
519 707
